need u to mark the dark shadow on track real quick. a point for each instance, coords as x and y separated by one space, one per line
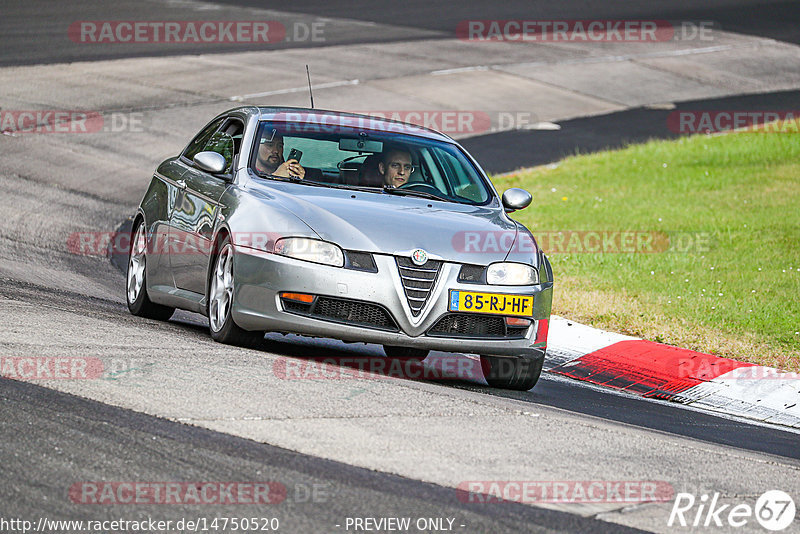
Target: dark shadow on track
655 415
508 151
53 440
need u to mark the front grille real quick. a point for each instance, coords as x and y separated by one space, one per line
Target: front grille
352 312
418 281
475 326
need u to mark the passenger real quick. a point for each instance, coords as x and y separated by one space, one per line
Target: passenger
395 167
269 159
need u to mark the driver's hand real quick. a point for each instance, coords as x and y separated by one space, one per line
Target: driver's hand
290 168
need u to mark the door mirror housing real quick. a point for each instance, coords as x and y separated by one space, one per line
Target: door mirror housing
209 161
516 199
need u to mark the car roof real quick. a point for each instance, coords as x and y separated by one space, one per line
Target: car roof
349 120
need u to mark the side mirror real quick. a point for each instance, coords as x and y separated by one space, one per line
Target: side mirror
516 199
209 161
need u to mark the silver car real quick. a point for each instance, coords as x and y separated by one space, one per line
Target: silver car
343 226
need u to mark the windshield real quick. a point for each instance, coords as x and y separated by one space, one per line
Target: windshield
350 158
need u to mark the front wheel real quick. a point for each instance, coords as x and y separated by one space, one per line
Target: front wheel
405 353
520 374
220 302
139 302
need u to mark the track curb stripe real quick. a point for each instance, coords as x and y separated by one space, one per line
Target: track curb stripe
670 373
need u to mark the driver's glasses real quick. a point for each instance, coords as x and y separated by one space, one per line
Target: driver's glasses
395 166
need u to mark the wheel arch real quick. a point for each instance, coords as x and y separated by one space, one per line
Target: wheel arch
139 217
222 232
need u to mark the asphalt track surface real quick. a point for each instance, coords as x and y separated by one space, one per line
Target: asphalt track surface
52 439
77 439
34 31
773 19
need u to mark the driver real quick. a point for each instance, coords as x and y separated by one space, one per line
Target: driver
395 167
270 160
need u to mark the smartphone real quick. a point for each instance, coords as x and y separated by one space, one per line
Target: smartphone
295 154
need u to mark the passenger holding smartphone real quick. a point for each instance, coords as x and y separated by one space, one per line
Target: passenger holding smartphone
270 160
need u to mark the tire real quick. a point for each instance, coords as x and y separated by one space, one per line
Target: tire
405 353
520 374
220 301
139 302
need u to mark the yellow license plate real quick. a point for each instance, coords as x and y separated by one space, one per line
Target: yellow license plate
494 303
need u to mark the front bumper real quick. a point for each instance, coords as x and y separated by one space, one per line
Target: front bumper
260 277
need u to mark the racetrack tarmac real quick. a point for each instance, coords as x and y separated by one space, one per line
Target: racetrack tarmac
172 405
53 441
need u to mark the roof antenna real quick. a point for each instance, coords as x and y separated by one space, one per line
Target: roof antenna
308 75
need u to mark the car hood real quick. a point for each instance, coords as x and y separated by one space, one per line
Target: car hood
392 224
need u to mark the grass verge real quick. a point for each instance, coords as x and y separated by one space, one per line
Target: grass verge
709 228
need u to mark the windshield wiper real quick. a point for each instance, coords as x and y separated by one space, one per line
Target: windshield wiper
293 179
296 180
411 193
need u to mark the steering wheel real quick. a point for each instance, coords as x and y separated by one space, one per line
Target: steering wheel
351 158
422 186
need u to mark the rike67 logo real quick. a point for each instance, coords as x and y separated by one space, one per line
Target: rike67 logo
774 510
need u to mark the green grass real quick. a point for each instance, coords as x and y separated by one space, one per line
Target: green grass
740 296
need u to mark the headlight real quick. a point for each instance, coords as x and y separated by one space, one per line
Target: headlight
511 274
305 249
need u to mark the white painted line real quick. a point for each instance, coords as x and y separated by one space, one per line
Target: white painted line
542 126
665 106
624 57
458 70
290 90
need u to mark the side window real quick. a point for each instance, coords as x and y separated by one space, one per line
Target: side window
226 140
199 142
222 143
460 180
